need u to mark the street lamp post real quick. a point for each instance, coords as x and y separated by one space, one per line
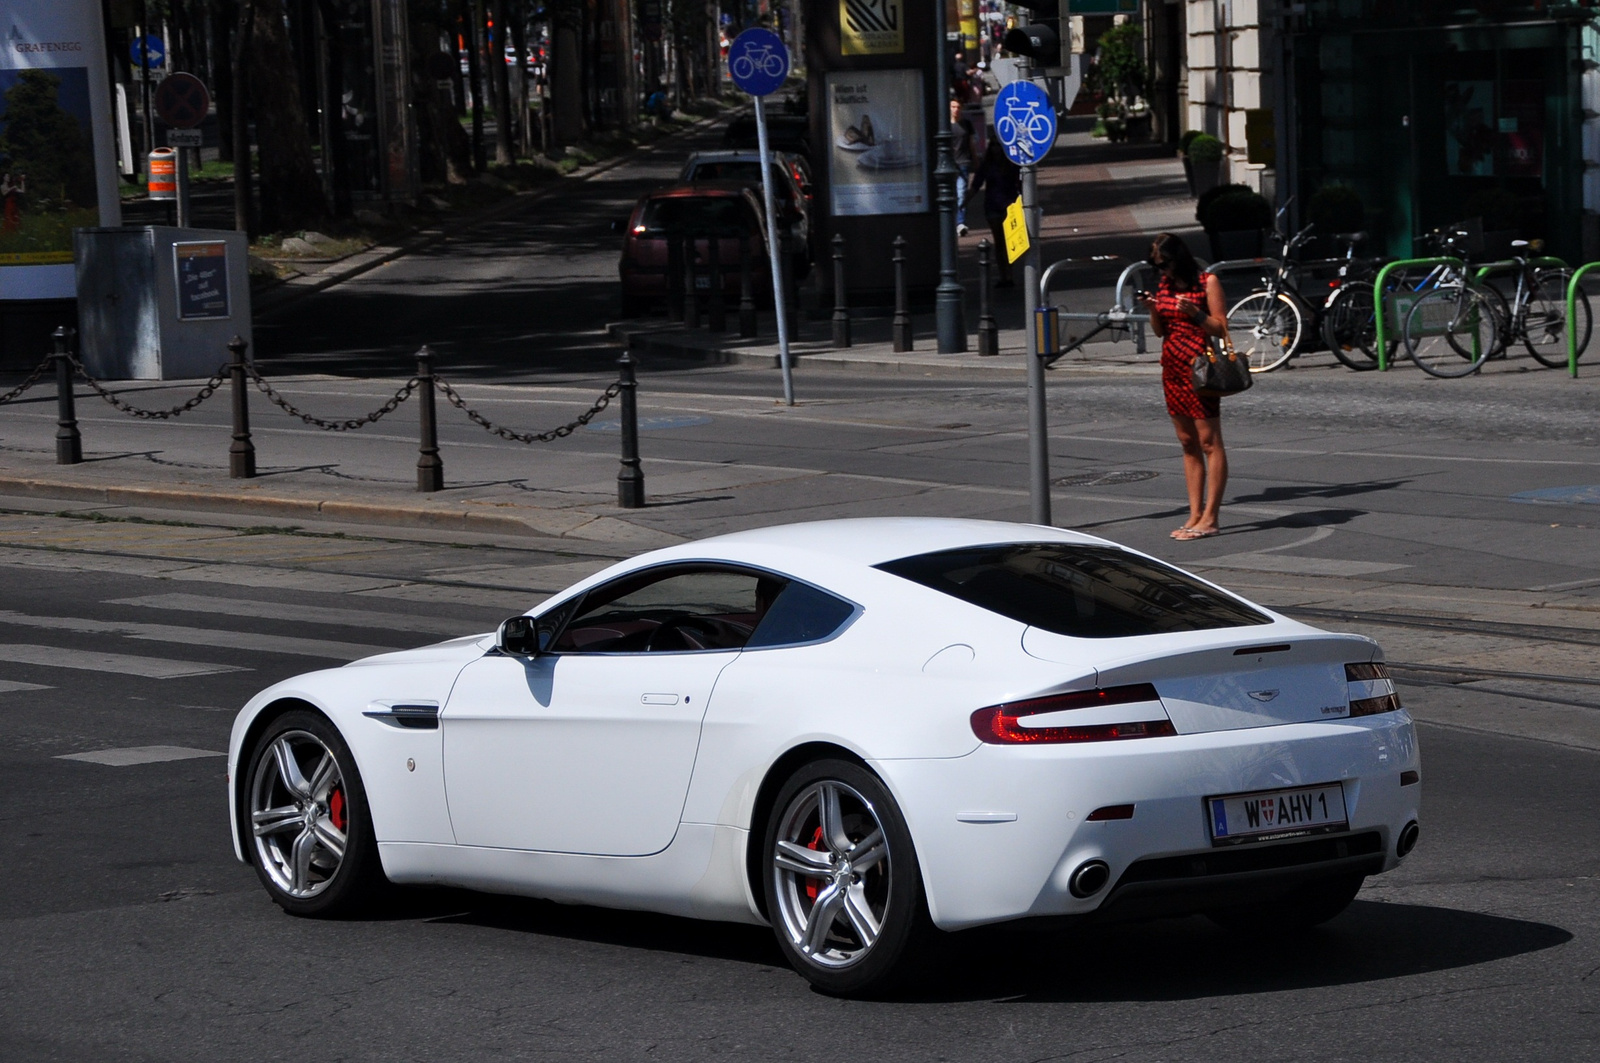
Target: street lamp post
948 298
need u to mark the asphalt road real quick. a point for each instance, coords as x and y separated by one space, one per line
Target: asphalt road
131 934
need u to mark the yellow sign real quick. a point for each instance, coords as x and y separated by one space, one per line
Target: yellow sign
872 27
1016 230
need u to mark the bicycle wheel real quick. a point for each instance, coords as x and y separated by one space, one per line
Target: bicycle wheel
1450 331
1544 330
1349 327
1501 310
1265 329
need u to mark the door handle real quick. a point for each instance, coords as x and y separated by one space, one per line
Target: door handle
658 699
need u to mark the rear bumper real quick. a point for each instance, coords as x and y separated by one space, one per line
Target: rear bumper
999 832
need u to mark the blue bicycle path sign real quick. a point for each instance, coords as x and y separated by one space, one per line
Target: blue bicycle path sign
758 62
1025 122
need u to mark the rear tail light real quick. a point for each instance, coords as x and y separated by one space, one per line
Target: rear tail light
1366 672
1373 706
1002 724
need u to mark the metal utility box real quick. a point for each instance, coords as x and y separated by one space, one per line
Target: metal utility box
159 303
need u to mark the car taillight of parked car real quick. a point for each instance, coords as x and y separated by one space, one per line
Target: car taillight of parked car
1003 724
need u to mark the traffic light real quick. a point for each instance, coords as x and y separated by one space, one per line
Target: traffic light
1046 40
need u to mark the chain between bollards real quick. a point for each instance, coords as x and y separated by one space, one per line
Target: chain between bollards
988 329
430 467
841 312
242 451
900 329
69 443
630 478
747 303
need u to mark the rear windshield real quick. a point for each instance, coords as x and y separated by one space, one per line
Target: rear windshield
1091 592
698 214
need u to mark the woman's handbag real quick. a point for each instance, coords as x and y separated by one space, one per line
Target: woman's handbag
1219 371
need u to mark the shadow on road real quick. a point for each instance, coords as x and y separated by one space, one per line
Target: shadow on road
1173 959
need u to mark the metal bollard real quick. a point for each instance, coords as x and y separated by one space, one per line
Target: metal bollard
901 328
69 444
242 451
674 278
717 313
747 304
841 312
988 330
430 467
630 478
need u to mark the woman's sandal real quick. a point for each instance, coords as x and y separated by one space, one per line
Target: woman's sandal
1184 535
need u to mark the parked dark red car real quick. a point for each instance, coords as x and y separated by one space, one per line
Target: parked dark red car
712 213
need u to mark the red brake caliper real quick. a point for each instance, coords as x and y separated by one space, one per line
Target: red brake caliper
813 885
336 808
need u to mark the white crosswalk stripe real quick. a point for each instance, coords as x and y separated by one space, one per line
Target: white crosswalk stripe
308 614
199 636
100 661
7 686
130 755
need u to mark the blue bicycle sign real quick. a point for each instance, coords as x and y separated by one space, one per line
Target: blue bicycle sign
758 62
1025 122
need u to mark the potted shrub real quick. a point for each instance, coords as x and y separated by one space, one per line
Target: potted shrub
1237 225
1205 158
1211 195
1183 153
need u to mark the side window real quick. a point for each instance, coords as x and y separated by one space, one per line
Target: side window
800 614
670 610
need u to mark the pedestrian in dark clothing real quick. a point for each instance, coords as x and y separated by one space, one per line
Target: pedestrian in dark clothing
1001 182
961 134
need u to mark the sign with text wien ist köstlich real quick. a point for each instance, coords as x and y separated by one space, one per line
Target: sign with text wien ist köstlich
202 267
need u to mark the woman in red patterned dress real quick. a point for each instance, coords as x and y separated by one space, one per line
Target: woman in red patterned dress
1186 311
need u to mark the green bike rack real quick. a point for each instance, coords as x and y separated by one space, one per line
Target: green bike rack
1572 310
1378 291
1507 264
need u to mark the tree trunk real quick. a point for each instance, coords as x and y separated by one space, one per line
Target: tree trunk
333 105
474 19
243 30
566 82
503 154
291 191
519 41
445 152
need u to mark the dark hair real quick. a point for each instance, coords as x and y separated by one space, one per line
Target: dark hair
1185 270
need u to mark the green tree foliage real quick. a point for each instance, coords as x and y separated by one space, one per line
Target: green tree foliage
45 142
1119 67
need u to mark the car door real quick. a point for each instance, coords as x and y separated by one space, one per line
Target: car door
589 746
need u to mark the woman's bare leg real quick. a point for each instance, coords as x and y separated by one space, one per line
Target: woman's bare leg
1194 466
1216 470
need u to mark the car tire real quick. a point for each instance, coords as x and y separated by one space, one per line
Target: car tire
866 872
308 830
1301 909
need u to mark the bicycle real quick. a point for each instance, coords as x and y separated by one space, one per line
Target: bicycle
1267 325
1537 313
1456 325
1349 319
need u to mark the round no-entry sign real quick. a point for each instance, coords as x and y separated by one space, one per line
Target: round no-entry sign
182 101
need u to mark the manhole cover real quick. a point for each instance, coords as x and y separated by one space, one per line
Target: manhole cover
1105 478
652 424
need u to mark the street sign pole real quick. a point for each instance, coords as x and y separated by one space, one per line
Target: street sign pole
1025 122
758 63
779 299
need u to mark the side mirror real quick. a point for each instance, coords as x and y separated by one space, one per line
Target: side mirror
518 637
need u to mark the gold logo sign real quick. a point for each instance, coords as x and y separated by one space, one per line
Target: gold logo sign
871 27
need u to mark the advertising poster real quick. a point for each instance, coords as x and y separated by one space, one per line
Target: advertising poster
57 155
878 162
872 27
1469 128
202 268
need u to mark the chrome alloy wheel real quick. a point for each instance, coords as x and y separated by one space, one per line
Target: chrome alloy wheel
299 814
831 868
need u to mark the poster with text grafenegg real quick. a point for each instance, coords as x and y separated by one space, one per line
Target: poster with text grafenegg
871 27
56 173
878 158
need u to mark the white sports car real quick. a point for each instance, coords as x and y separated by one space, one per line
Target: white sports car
857 731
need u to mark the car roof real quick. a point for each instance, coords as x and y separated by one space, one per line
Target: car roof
699 188
869 541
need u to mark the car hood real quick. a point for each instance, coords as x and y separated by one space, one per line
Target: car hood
461 651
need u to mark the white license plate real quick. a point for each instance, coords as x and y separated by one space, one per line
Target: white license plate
1268 815
702 282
